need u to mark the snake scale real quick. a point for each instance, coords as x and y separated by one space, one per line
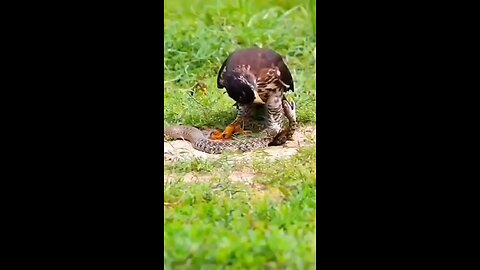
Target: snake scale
273 134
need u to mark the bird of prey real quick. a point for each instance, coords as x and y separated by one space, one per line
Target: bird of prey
252 76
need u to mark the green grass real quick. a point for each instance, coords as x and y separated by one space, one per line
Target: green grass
199 36
221 224
226 225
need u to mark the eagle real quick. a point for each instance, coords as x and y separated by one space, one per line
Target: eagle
251 76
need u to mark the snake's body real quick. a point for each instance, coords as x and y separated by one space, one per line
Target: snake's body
202 143
272 134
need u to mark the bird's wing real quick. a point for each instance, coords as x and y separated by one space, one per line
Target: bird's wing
276 59
221 72
285 75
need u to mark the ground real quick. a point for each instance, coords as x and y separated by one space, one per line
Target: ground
237 211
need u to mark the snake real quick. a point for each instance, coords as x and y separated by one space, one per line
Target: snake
273 134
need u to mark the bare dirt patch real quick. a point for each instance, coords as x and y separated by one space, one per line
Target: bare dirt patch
182 150
245 175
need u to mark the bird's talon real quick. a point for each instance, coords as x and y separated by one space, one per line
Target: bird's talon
216 135
240 130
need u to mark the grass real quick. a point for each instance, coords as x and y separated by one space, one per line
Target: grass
226 225
222 224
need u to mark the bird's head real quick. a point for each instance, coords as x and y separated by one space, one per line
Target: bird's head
242 86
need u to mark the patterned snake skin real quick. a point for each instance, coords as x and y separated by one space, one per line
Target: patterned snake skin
273 134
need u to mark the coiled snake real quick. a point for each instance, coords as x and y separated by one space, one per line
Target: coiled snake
273 134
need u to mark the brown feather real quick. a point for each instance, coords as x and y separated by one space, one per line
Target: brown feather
257 59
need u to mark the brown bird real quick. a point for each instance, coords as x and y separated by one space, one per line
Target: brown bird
252 76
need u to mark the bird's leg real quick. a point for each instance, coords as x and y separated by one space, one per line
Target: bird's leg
274 118
286 134
236 127
289 109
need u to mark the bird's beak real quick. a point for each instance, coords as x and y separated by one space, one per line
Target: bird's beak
257 98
